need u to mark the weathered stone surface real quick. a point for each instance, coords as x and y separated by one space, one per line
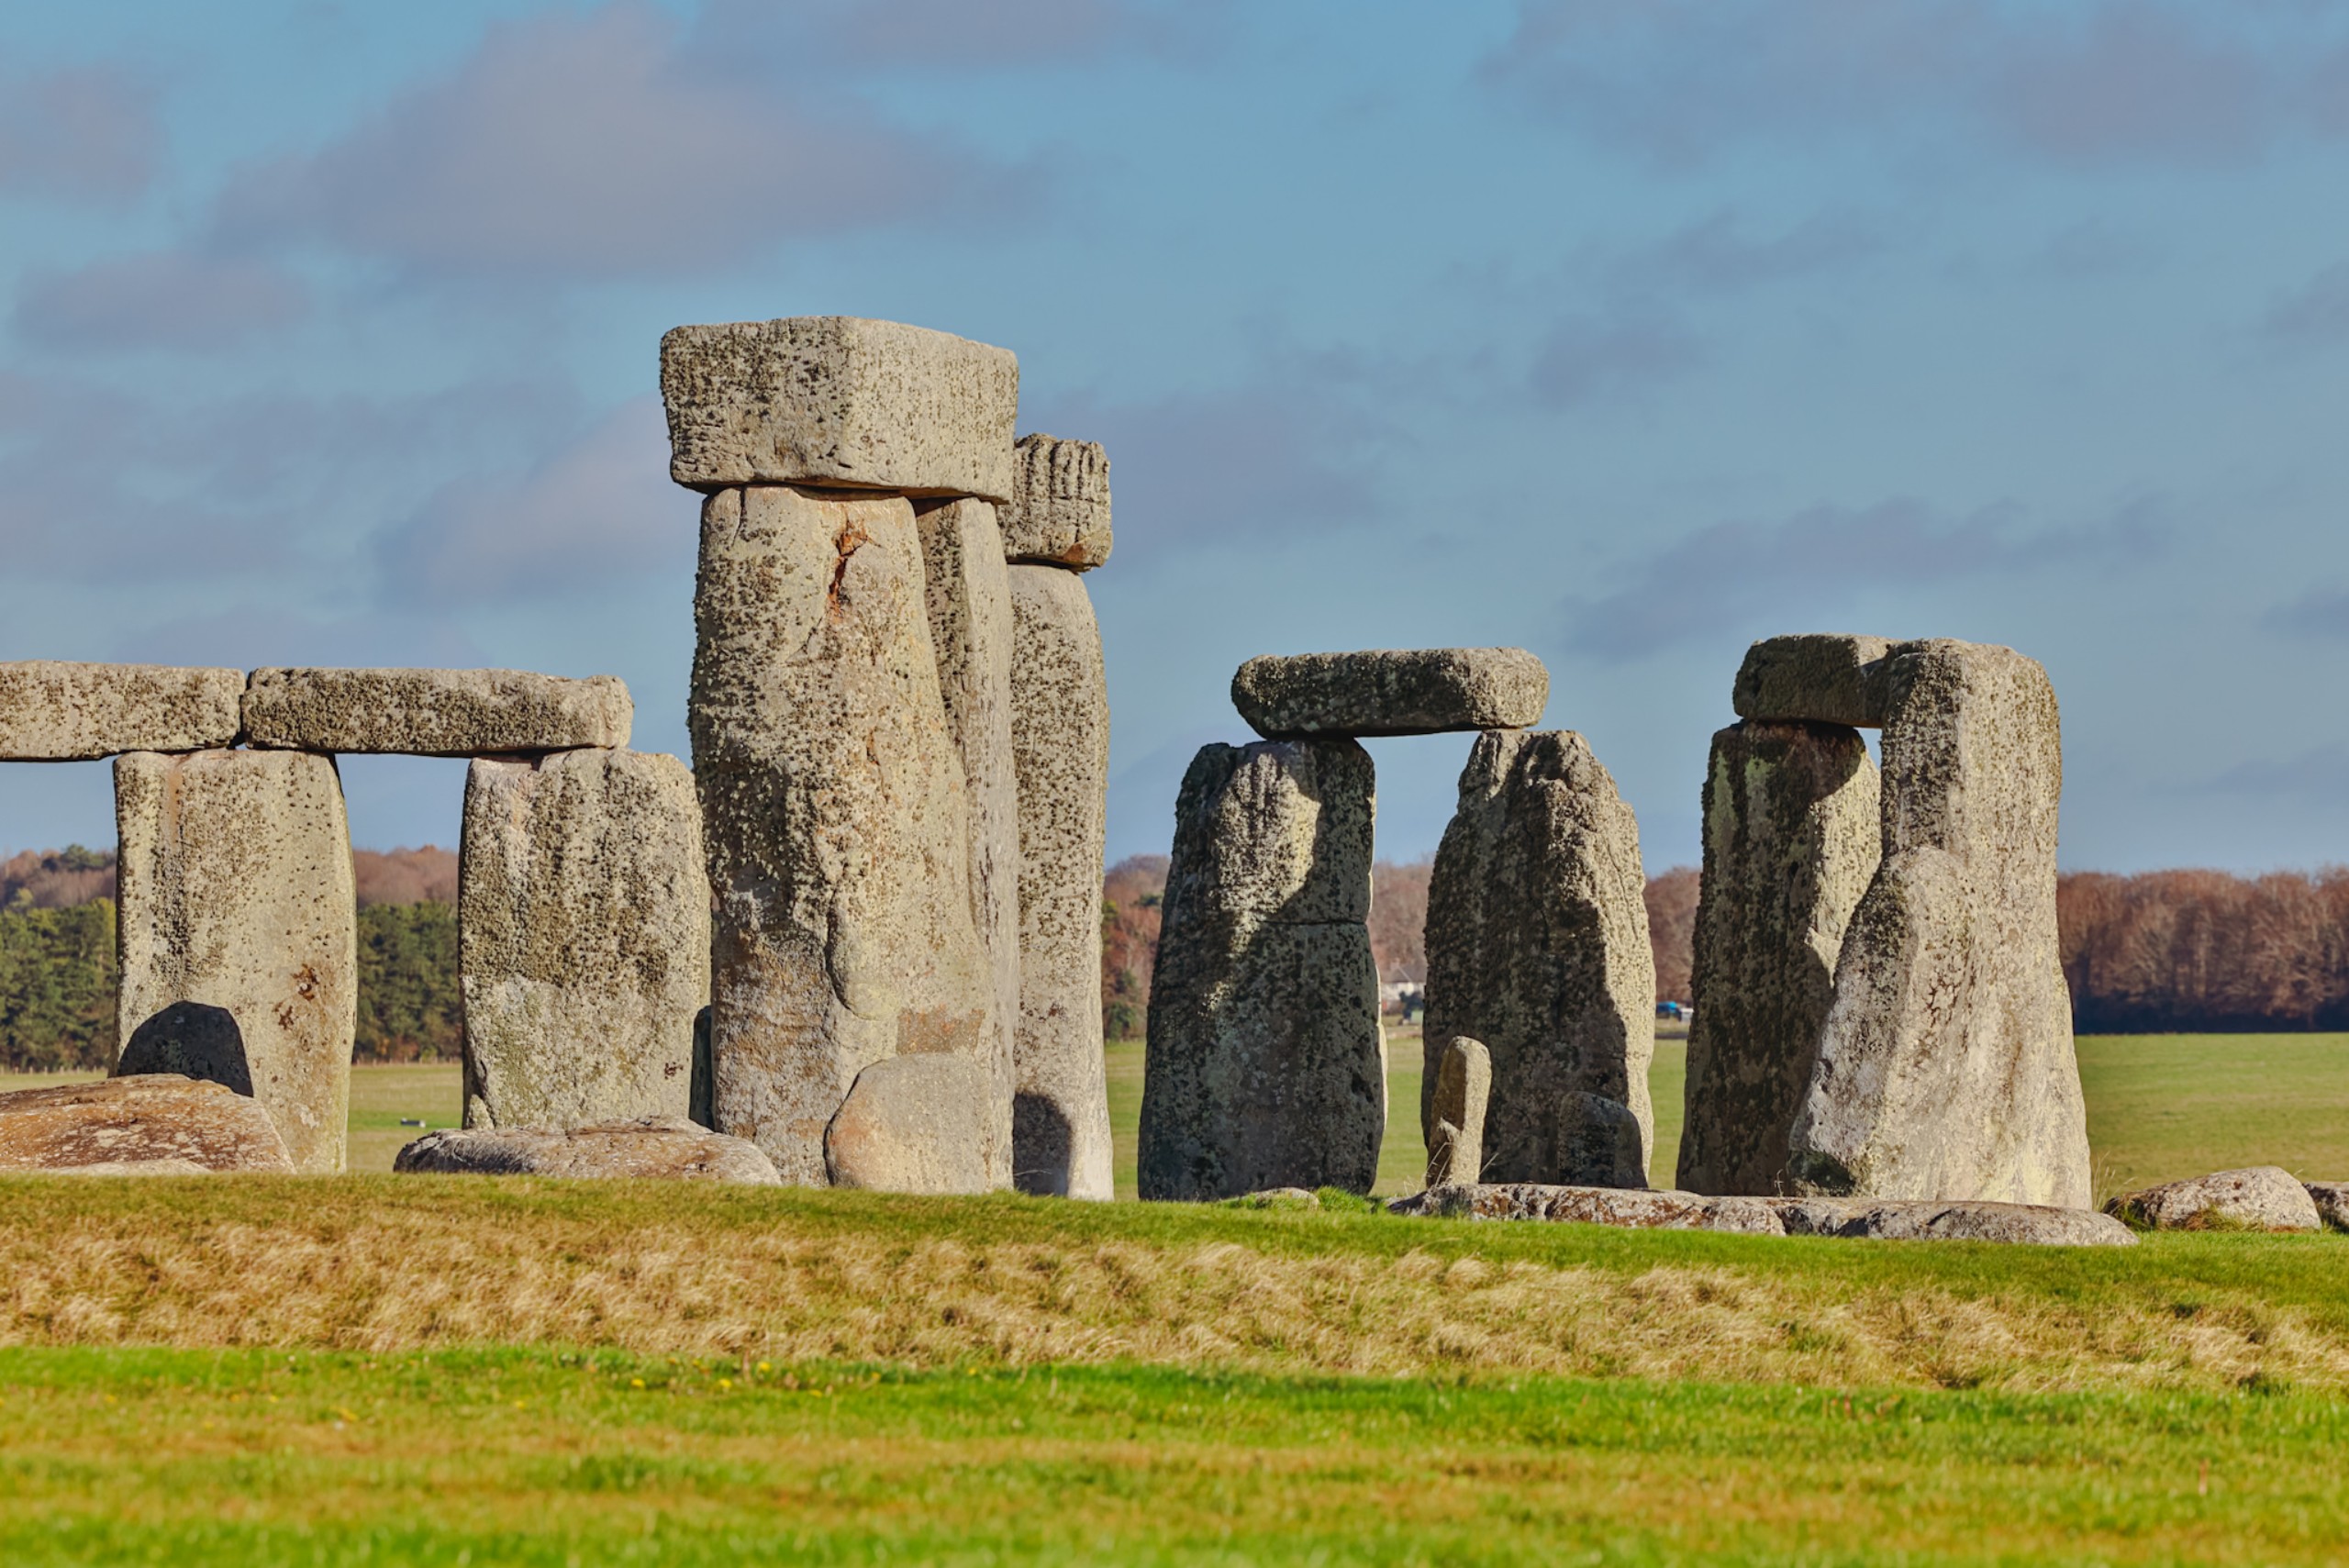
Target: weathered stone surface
1060 737
582 939
1421 691
2264 1197
915 1124
2332 1199
54 712
835 813
1266 1067
1537 945
1888 1221
1824 677
1945 1066
1639 1210
835 400
1790 815
434 713
240 934
1918 1220
1464 1084
663 1148
150 1124
1059 512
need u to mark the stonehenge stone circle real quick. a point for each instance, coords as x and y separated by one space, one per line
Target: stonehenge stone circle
157 1122
434 713
1059 511
1825 678
2264 1197
914 1124
1425 690
1537 943
1464 1084
661 1148
1790 825
239 933
1266 1066
838 401
56 712
583 931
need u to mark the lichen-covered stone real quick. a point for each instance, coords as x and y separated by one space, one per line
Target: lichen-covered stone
1464 1083
238 934
2264 1197
835 812
1926 1220
1637 1210
582 939
1537 942
1266 1067
434 713
915 1124
838 401
1790 823
1059 512
2332 1199
1421 691
149 1124
56 712
1945 1066
1060 738
1822 677
657 1148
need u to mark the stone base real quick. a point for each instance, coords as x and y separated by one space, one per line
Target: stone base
658 1147
1641 1210
149 1123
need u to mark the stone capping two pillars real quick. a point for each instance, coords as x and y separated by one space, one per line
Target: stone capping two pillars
580 877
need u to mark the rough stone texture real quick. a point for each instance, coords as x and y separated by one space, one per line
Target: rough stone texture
1059 512
1945 1066
52 712
1641 1210
915 1124
1965 1221
1826 678
582 939
668 1147
834 400
2264 1197
2332 1199
835 813
1423 690
1266 1066
238 934
1060 738
1769 1217
1464 1084
434 713
152 1124
1537 945
1790 816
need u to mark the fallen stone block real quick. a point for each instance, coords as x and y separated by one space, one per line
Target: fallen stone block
1637 1210
2263 1197
1464 1085
1059 512
2035 1224
149 1124
1425 690
663 1148
55 712
835 400
1823 678
434 713
914 1124
2332 1199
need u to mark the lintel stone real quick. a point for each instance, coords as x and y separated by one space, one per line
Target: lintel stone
1423 691
1059 513
1822 677
51 711
434 713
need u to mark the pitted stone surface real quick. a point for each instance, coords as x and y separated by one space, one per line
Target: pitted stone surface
55 712
661 1148
240 934
1059 513
915 1124
1421 691
1945 1066
839 401
2331 1200
1822 677
1639 1210
1924 1221
583 938
434 713
1464 1084
1791 822
1060 703
150 1124
2264 1197
1266 1066
836 815
1537 945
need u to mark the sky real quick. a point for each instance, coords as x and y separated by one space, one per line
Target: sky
1627 332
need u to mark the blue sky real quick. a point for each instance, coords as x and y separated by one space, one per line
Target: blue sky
1625 330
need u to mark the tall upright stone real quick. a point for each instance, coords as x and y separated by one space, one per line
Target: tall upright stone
1945 1065
1266 1066
583 938
238 934
1790 844
1538 946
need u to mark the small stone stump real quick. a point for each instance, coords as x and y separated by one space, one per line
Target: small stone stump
1464 1084
2263 1197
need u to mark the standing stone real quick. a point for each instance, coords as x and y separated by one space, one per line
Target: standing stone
583 937
1464 1084
1060 735
56 712
1538 946
238 934
835 813
1266 1067
1790 843
1945 1066
1059 513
